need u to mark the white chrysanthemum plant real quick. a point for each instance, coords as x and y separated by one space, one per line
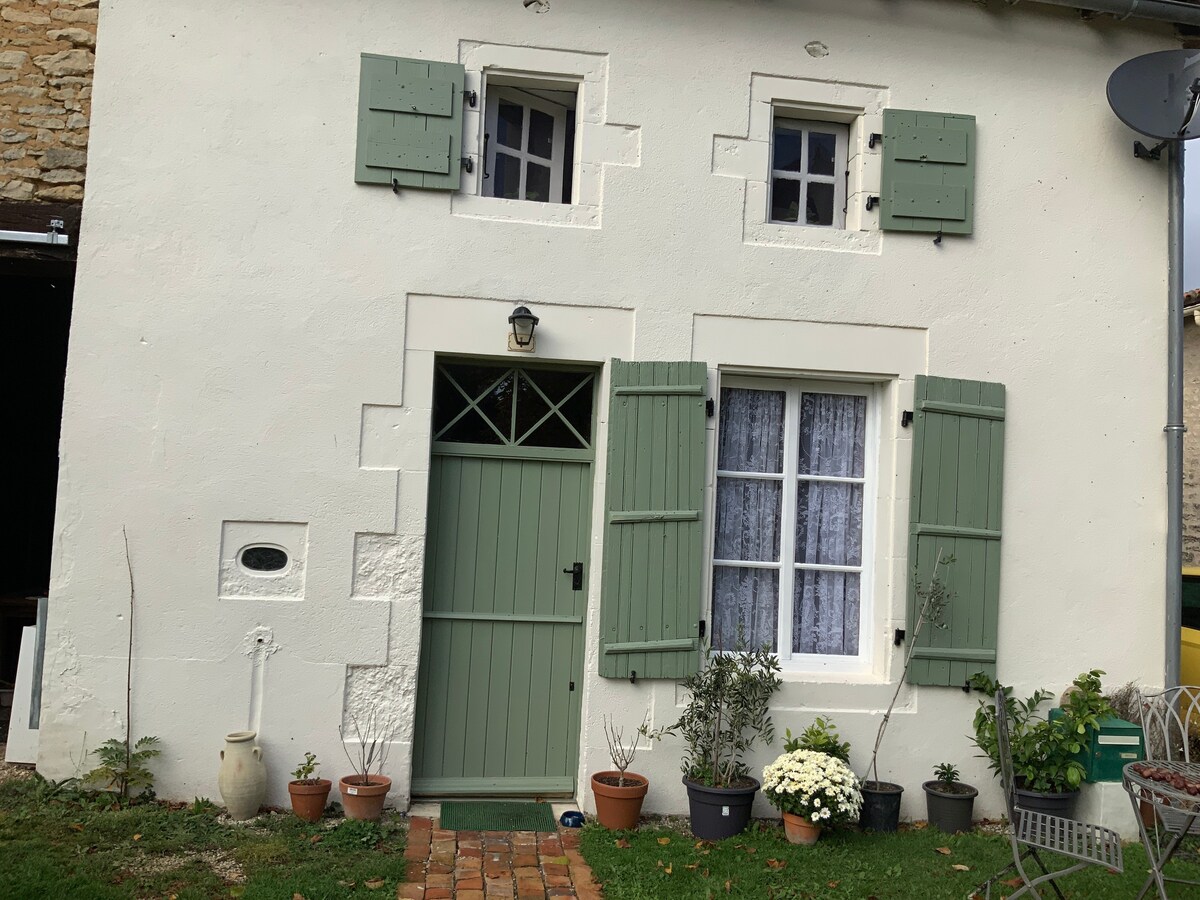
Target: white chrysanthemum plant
815 785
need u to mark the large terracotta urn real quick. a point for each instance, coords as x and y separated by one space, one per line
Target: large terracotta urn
243 776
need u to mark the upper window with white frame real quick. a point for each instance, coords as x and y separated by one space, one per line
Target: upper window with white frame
794 470
808 172
529 137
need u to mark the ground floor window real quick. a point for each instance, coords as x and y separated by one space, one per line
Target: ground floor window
794 467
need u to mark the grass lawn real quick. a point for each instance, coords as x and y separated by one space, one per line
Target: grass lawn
55 845
666 862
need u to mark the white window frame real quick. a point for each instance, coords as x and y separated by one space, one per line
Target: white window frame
793 388
838 179
513 94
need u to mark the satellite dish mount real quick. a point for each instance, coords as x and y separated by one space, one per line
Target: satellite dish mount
1157 95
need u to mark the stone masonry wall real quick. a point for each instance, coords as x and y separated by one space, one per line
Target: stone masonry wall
46 63
1191 441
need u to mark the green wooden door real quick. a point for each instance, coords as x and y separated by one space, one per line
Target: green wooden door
500 681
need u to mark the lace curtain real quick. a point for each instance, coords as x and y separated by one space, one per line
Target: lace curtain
828 522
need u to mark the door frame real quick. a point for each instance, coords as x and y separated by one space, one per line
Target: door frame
564 786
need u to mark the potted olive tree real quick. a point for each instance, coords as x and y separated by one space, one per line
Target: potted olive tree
619 793
1046 769
948 802
726 714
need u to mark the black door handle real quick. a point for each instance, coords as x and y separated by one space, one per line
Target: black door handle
576 573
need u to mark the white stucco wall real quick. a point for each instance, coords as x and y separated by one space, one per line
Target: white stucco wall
253 340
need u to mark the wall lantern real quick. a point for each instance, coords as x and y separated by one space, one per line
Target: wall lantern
523 323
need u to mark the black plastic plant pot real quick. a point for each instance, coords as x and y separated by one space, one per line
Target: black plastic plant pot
718 813
881 806
950 810
1058 804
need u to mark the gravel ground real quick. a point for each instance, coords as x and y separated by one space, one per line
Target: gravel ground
13 770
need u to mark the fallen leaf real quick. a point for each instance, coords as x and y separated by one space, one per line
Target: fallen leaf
705 873
668 870
728 886
1013 882
664 841
705 852
296 895
137 837
945 851
373 884
776 863
348 884
832 884
959 867
622 843
751 849
315 839
76 826
692 866
659 863
919 826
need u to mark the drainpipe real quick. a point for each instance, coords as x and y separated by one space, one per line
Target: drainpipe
1174 427
1177 11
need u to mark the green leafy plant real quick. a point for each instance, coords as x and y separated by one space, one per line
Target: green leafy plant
123 768
305 772
822 737
726 714
946 774
1043 750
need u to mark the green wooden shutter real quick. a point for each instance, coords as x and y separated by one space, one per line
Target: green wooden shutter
957 473
928 179
653 538
409 123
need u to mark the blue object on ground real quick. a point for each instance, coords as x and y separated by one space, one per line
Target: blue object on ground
572 818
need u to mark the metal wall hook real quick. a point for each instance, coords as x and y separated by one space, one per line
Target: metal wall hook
938 240
633 677
395 187
872 202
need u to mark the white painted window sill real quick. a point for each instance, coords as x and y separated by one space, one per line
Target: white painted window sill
568 215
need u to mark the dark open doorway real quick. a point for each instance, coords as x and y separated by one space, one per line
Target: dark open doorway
32 368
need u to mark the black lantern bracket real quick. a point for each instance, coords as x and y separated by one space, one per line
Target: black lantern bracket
523 323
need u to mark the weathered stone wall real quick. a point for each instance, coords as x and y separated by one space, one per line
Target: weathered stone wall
1191 442
46 63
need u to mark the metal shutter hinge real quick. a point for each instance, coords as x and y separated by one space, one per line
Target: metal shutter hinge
710 407
468 164
898 637
470 97
572 685
906 418
874 138
872 202
703 626
633 677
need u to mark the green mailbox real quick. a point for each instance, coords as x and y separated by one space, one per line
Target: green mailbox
1109 748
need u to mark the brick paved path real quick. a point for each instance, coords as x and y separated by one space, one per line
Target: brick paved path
475 865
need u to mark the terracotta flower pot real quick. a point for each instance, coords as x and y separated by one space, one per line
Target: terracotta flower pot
618 807
364 801
308 800
800 830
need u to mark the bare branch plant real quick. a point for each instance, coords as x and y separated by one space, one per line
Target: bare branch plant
622 753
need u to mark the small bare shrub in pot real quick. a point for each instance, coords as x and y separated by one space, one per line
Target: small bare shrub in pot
308 792
619 793
948 802
364 792
726 714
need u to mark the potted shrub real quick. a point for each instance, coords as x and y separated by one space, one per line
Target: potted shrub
365 791
881 799
619 793
726 714
822 737
948 802
1046 771
308 793
813 790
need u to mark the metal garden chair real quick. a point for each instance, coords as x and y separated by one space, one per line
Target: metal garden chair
1170 723
1030 832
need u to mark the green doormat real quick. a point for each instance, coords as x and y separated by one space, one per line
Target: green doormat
474 815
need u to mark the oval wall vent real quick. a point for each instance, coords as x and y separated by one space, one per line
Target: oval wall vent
260 558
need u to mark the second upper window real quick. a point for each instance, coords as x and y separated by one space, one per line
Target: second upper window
529 138
808 172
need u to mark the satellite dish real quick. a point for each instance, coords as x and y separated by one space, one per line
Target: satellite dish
1157 94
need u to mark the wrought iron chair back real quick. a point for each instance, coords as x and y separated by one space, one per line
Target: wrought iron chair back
1171 722
1004 745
